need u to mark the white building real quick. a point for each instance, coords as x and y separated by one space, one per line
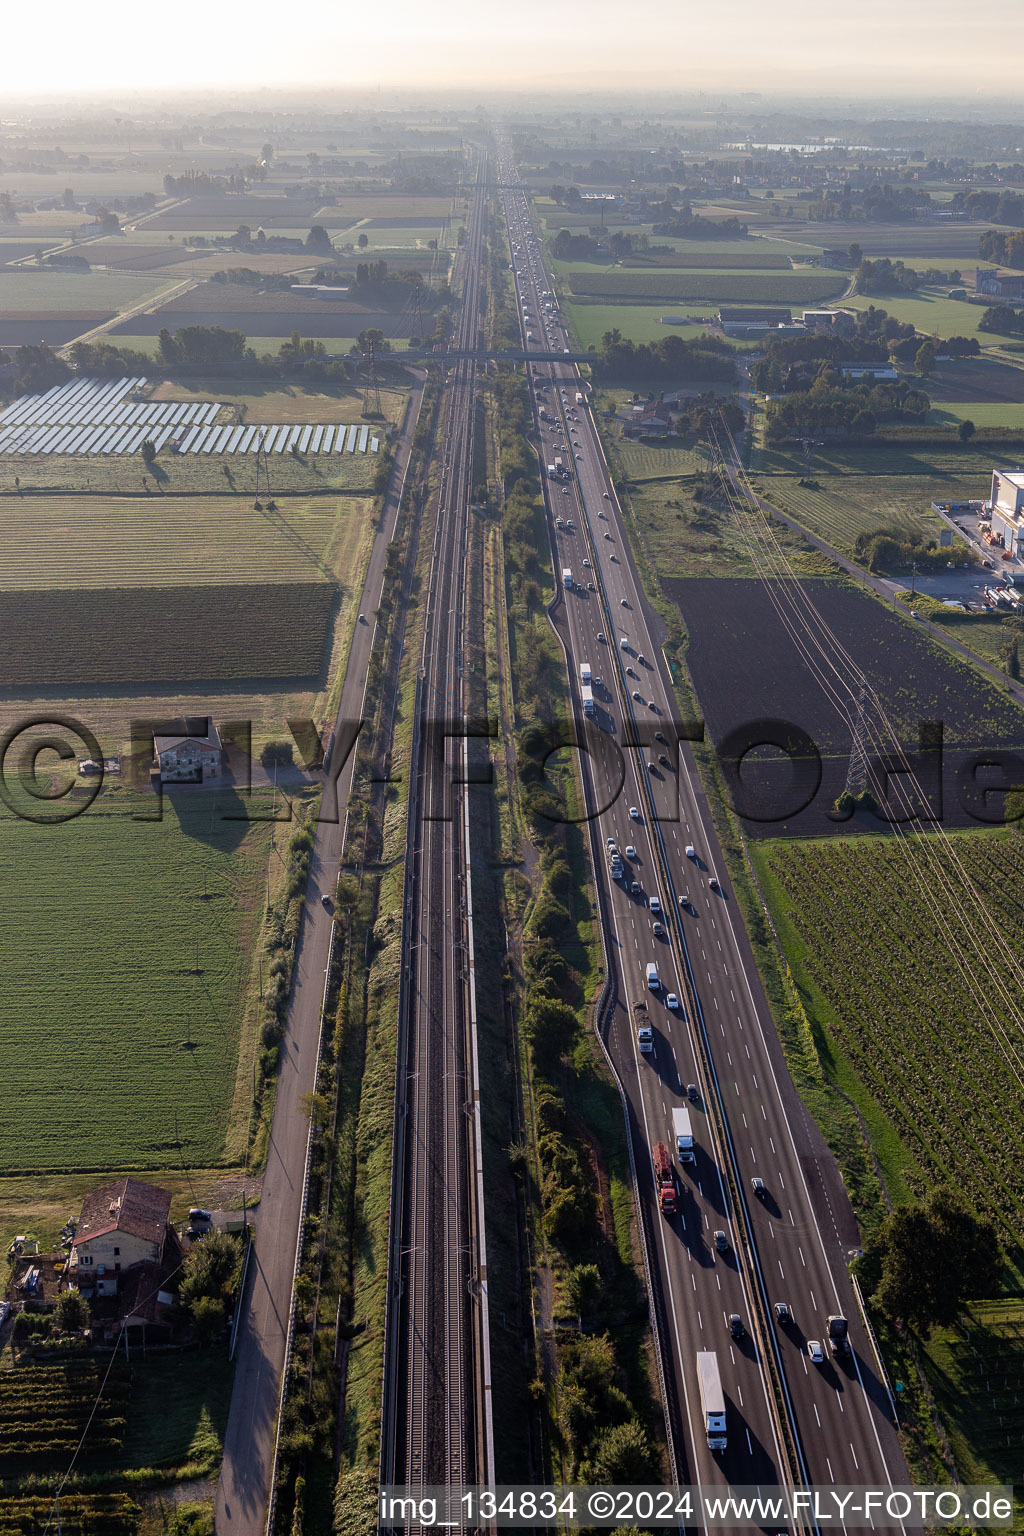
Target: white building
1008 510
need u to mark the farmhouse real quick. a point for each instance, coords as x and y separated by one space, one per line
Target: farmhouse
1008 510
870 371
189 759
122 1224
742 322
999 285
650 420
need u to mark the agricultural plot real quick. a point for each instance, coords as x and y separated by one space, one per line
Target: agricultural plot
933 313
640 322
790 288
658 460
384 208
858 921
727 261
25 292
81 1514
44 1410
746 668
25 330
985 381
114 636
99 542
279 401
952 412
952 242
842 506
976 1373
135 1023
271 314
185 474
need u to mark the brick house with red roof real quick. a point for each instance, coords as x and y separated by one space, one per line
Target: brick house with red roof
122 1224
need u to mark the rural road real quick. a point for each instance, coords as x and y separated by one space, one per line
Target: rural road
243 1488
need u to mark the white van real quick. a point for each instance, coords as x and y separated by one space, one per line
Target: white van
652 976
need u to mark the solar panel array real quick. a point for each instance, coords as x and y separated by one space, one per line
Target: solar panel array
99 416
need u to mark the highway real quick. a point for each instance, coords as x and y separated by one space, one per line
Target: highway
793 1245
437 1411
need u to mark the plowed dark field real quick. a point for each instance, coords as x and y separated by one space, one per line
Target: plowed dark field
747 668
110 636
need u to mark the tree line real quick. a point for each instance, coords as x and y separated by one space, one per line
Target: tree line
705 359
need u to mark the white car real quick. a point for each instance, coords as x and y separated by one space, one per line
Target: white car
672 1001
815 1351
587 564
691 852
630 851
623 603
634 813
606 496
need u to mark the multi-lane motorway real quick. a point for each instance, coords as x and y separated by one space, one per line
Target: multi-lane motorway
824 1423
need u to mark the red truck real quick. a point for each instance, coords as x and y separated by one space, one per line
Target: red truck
665 1178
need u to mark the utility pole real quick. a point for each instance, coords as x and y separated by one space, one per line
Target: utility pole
857 773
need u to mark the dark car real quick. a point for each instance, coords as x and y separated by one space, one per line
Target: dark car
736 1325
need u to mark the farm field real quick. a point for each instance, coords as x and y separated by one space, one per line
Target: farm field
99 541
903 1014
952 242
56 329
640 322
277 401
658 460
788 288
976 1372
745 667
687 540
950 464
845 505
27 292
932 313
337 321
982 380
707 261
385 208
111 636
122 994
982 413
187 474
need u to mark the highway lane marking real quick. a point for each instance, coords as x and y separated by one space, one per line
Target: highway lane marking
854 1455
800 1251
818 1417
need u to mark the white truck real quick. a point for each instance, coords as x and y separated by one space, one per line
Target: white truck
589 707
683 1132
567 576
653 981
585 676
644 1032
579 397
712 1399
552 472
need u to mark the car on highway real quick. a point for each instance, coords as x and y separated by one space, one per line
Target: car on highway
721 1242
758 1186
630 851
587 564
655 903
672 1002
362 618
634 888
565 490
606 496
663 760
736 1325
623 602
783 1315
325 900
634 813
712 883
607 534
600 636
658 931
815 1351
591 587
611 844
637 697
658 736
623 644
691 852
614 559
693 1093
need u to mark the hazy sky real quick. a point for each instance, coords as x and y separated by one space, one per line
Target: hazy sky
817 46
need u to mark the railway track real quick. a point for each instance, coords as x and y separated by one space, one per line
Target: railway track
436 1420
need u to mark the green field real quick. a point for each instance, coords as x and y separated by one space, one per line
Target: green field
98 1070
189 474
845 505
983 414
657 460
96 541
976 1373
787 288
932 313
39 292
266 346
640 322
930 1057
